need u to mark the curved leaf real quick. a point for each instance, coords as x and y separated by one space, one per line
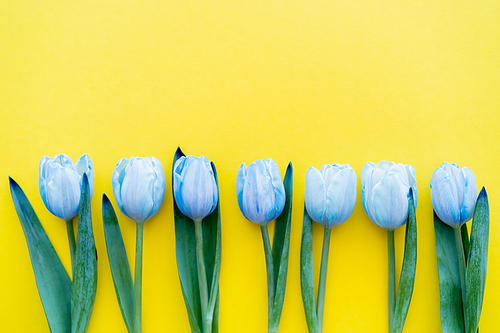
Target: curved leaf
407 279
212 255
281 245
118 262
452 319
85 270
475 279
185 251
307 274
52 280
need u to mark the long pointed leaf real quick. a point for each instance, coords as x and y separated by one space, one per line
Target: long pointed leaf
212 254
408 270
452 319
465 241
118 262
185 251
307 274
52 280
475 279
85 270
281 245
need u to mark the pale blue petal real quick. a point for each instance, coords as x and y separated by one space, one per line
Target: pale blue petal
364 170
196 191
136 190
63 193
42 180
412 178
279 190
450 171
367 188
84 165
158 186
341 198
470 195
241 178
315 195
258 194
117 179
385 165
443 201
400 170
390 202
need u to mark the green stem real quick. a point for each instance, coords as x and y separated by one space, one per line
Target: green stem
461 264
270 273
392 277
71 241
322 277
202 275
138 278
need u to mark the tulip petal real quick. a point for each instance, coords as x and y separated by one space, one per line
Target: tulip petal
117 180
258 196
400 170
279 189
390 202
340 198
196 189
158 186
412 178
366 189
443 199
84 165
63 193
136 190
315 195
470 195
241 178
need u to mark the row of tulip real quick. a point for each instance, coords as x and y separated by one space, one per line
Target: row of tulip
389 197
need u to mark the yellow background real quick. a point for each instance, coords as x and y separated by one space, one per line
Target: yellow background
310 82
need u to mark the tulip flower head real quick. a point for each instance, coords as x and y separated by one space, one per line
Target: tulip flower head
385 188
260 191
330 194
195 189
139 187
453 194
60 182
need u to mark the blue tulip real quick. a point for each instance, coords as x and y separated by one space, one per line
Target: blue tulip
453 194
60 182
195 189
139 187
385 189
330 194
260 191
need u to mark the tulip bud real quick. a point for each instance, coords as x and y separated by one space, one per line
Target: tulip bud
139 187
453 194
60 182
260 191
385 189
330 194
195 189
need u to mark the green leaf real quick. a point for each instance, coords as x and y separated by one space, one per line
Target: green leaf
452 319
185 251
281 245
212 254
307 274
475 278
118 262
85 270
465 241
407 280
52 280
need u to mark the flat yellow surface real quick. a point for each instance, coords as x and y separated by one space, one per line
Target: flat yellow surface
310 82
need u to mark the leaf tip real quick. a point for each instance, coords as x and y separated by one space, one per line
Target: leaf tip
482 194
